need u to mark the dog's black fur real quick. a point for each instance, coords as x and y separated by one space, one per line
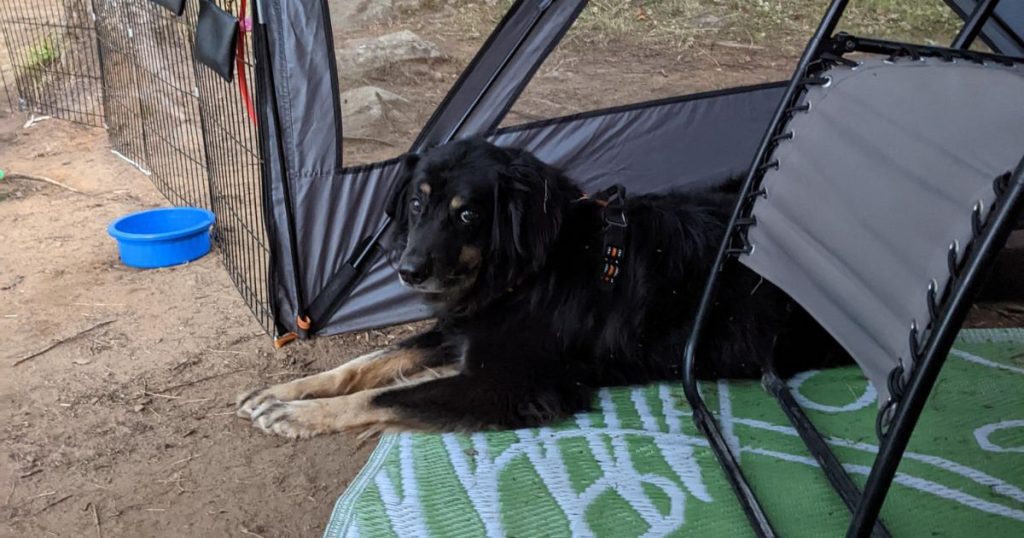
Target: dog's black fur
512 268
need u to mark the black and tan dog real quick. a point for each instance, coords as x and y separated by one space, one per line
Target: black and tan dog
511 254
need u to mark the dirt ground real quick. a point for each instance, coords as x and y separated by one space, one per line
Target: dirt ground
127 428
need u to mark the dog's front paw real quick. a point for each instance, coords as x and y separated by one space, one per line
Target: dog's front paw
250 401
295 419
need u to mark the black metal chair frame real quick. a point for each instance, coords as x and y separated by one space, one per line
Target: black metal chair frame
930 344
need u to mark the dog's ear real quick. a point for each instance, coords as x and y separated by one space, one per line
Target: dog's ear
399 191
398 195
528 211
397 207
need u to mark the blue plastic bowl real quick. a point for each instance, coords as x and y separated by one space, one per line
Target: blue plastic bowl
162 237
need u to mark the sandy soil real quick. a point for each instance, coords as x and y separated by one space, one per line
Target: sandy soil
134 417
127 429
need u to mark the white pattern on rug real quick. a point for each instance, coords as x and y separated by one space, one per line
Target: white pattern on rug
479 469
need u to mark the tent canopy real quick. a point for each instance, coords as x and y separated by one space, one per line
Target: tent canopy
325 220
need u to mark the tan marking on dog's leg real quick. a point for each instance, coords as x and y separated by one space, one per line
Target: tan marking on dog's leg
354 413
377 369
383 371
427 374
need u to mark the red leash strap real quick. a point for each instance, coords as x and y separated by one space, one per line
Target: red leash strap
243 84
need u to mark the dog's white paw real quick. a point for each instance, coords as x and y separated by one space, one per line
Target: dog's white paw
248 402
296 419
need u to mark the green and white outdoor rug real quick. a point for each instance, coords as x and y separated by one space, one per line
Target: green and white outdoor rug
636 466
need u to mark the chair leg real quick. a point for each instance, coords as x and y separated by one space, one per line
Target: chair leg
701 415
895 442
890 453
707 423
833 469
968 278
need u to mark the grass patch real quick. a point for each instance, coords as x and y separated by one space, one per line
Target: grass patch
39 57
42 54
781 25
931 22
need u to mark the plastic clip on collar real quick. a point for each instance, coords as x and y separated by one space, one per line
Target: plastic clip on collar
613 210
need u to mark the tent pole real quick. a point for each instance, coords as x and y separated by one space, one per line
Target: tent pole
344 280
501 50
453 131
974 24
265 71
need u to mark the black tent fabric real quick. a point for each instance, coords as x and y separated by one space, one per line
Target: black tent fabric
1004 32
319 213
300 132
321 216
697 140
501 69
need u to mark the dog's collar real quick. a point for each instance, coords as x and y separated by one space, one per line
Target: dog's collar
612 202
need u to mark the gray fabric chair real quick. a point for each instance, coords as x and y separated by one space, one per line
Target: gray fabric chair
888 181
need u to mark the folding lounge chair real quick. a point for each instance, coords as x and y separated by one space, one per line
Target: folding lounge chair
889 178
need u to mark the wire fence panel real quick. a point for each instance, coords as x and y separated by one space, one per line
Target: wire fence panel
235 177
55 60
176 120
8 98
152 96
168 101
122 104
8 93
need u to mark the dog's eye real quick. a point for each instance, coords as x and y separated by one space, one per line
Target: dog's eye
416 206
468 216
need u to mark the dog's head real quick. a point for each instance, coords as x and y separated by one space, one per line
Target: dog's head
472 216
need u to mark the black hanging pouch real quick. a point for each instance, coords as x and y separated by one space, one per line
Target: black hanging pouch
216 39
174 6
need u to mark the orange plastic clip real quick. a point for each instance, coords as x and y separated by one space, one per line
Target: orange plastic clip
284 340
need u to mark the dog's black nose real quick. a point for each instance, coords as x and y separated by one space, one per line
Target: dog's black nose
414 271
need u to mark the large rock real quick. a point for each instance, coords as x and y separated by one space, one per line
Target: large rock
367 56
379 10
349 14
366 112
708 20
